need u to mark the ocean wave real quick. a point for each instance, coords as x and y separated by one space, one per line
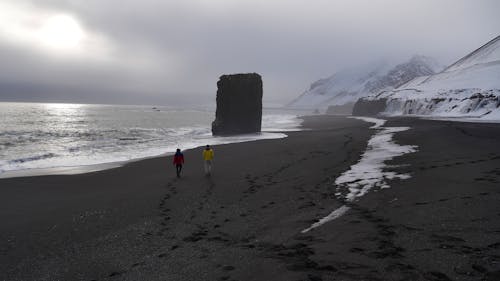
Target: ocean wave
6 144
32 158
117 135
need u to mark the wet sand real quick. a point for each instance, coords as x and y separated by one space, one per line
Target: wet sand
139 222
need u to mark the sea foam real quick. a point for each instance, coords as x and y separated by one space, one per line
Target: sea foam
38 137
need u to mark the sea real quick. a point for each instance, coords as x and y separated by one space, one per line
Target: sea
56 138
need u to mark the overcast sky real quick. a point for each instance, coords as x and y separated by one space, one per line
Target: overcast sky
172 52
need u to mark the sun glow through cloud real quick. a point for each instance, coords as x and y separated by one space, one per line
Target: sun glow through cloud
53 32
61 32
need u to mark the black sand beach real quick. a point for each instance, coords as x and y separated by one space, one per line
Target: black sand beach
139 222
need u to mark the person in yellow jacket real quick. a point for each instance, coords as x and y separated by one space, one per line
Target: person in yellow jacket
208 157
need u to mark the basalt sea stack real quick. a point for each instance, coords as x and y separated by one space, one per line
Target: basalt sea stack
239 104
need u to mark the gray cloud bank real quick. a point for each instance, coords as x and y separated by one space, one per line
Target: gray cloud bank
172 52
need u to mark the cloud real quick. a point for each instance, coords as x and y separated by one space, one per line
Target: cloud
49 32
175 50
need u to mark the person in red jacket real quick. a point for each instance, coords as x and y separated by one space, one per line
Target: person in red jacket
178 162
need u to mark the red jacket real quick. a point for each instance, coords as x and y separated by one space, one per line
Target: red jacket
178 159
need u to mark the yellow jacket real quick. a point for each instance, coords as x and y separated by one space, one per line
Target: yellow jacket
208 154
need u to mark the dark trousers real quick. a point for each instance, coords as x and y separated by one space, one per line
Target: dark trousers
178 168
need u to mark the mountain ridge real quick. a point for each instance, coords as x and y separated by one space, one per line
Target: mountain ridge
348 85
468 88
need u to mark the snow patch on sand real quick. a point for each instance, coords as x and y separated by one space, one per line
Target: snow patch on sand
333 215
369 172
377 122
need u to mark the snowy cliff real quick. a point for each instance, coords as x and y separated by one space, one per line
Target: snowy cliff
468 88
347 86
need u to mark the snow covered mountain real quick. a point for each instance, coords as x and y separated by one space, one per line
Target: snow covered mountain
468 88
347 86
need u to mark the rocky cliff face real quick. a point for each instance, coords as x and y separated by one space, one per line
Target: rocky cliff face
345 109
365 107
239 104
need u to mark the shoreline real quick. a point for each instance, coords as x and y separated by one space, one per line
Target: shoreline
82 138
82 169
70 170
139 222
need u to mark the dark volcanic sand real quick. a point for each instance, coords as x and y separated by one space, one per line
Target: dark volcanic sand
139 222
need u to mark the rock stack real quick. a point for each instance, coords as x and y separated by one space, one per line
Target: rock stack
239 104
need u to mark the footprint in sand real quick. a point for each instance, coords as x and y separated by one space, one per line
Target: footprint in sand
436 276
421 203
228 268
356 250
116 273
137 264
